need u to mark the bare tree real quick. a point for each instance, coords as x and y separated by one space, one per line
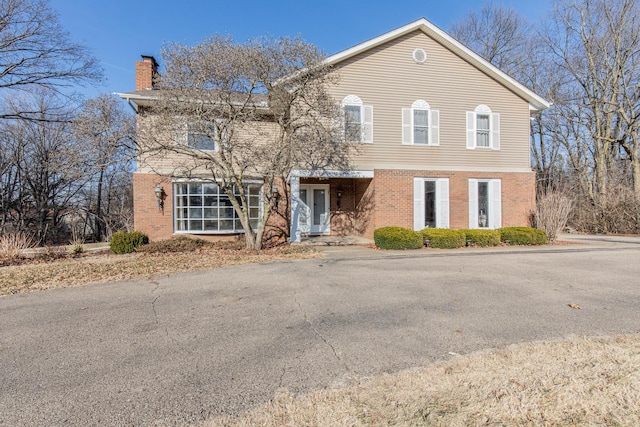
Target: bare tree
252 111
36 51
106 132
595 46
47 168
498 34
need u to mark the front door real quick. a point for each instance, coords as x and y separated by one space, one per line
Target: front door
314 209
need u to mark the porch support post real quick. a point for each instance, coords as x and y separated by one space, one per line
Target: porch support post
294 188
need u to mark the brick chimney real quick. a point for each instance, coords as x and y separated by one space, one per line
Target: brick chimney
146 73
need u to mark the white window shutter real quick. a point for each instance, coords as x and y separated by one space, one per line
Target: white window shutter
471 130
341 121
418 204
367 123
473 203
495 194
442 203
434 127
407 126
495 131
182 134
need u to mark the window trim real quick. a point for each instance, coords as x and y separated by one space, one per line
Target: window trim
366 118
234 218
442 202
494 128
408 124
495 203
188 131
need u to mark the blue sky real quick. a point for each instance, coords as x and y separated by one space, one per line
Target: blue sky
119 31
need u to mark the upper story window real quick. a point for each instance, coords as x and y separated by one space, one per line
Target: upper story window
420 124
483 128
358 120
201 136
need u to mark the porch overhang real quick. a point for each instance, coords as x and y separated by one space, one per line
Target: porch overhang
294 184
305 173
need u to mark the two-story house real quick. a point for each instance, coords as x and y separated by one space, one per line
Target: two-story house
445 143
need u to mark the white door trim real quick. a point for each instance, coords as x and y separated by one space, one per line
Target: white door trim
323 225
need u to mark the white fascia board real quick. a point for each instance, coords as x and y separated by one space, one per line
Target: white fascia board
302 173
137 97
134 96
536 102
211 180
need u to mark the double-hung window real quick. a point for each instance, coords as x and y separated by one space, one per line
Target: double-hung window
430 203
485 203
358 120
201 136
203 208
483 131
420 124
483 128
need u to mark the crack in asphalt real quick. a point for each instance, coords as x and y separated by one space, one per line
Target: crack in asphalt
319 334
195 377
284 370
153 303
155 312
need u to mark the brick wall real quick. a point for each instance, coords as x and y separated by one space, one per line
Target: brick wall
159 225
146 218
365 205
393 191
145 73
355 213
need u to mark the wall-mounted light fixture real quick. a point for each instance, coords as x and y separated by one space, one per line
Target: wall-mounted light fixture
160 196
339 197
275 195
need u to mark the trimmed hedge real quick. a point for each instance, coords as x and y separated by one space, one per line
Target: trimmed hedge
125 242
482 237
397 238
444 238
523 236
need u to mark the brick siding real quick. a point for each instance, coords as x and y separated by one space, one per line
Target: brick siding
365 205
394 196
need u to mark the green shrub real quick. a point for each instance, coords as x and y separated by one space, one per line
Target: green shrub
125 242
397 238
444 238
523 236
479 237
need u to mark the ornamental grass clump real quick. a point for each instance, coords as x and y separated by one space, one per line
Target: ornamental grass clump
523 236
125 242
13 246
444 238
397 238
476 237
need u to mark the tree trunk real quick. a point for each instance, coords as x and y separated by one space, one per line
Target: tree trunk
98 233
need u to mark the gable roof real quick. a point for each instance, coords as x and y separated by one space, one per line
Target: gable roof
536 102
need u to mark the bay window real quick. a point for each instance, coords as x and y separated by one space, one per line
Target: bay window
201 207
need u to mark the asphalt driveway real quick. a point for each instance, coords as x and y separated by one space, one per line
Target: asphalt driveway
178 349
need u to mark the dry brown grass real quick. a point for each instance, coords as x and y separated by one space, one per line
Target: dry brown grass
99 268
577 382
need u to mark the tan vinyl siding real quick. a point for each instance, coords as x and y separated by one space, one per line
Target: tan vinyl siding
387 78
165 162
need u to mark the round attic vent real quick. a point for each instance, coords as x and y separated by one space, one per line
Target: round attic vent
419 55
